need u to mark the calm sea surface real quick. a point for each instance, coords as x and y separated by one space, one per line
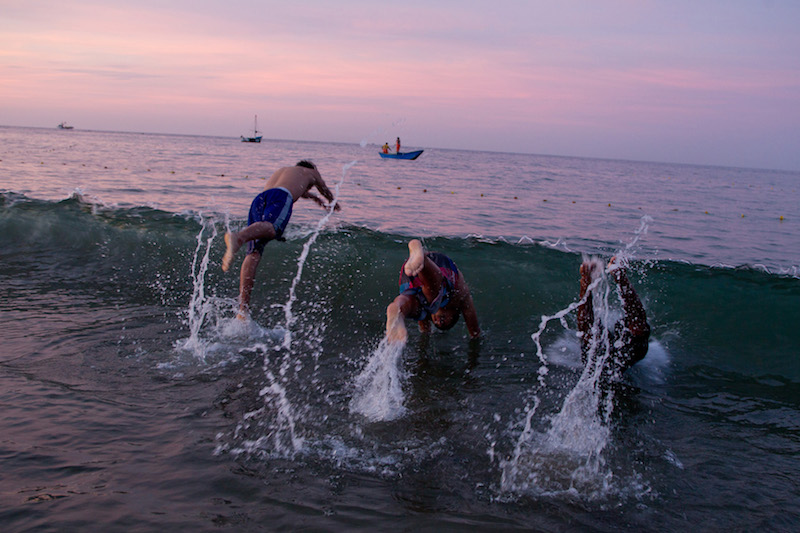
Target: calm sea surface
131 399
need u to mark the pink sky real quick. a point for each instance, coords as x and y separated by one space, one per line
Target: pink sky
630 79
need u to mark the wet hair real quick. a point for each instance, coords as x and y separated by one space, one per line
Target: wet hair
307 164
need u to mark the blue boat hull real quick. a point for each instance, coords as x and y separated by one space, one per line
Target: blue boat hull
402 155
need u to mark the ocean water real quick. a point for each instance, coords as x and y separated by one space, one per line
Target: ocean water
132 400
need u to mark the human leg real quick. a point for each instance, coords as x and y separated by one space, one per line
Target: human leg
396 313
635 331
246 281
585 310
635 315
421 266
234 240
269 213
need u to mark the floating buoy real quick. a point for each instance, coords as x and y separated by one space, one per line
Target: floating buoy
424 190
481 195
515 198
609 205
544 199
742 216
399 188
452 192
573 201
706 212
780 218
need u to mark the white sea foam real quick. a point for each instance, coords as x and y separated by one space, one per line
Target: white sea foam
279 421
378 388
568 457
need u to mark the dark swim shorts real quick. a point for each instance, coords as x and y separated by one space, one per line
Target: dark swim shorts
413 286
272 205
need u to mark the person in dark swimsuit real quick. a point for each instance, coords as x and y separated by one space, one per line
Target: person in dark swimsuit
628 339
432 289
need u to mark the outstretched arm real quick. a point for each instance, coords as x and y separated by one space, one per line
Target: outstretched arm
311 196
323 189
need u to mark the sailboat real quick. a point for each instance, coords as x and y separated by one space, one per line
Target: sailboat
256 138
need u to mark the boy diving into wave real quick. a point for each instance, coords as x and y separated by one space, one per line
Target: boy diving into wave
269 214
627 339
432 289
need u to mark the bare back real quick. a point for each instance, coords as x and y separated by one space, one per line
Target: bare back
296 180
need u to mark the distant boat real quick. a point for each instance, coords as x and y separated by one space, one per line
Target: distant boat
63 126
402 155
256 138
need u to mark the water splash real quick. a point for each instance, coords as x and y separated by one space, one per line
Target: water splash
568 457
199 305
284 431
378 392
287 307
211 328
275 422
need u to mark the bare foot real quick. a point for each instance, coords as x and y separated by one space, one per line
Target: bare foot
589 271
614 263
230 250
616 267
416 258
395 324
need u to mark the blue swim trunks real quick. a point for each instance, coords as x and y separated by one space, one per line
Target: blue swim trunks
272 205
413 286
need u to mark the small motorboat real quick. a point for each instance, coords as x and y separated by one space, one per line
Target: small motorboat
402 155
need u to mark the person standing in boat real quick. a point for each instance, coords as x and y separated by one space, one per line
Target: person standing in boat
269 213
432 289
398 145
385 148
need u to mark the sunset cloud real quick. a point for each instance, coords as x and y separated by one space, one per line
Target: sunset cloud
556 78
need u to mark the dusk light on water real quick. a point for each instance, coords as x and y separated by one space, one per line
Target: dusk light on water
613 194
